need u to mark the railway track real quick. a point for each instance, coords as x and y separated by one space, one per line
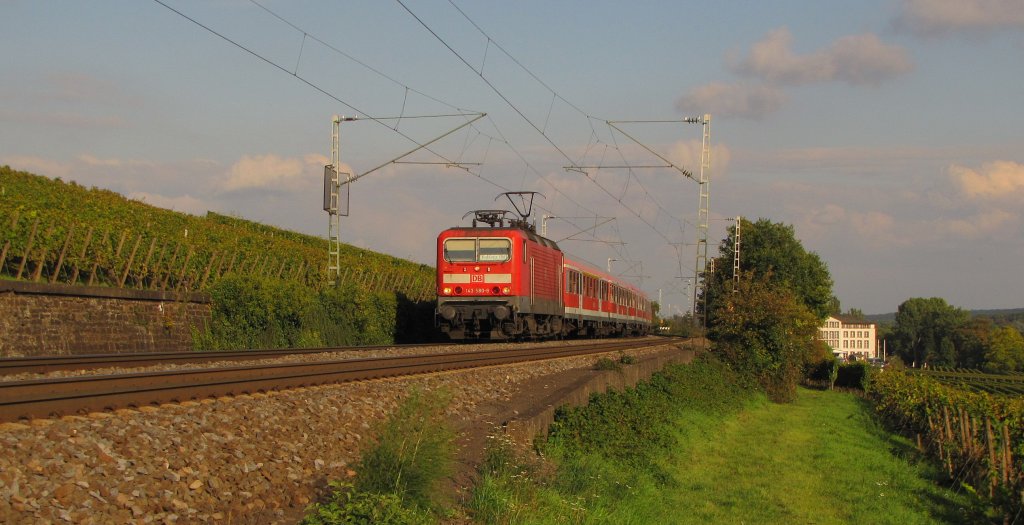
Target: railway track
76 395
44 364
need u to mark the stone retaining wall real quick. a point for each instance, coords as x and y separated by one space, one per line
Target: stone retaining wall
46 319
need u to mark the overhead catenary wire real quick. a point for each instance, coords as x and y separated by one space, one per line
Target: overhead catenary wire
590 119
516 109
408 89
336 98
294 69
379 120
352 58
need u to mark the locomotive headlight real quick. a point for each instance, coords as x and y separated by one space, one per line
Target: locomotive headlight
458 290
506 290
447 290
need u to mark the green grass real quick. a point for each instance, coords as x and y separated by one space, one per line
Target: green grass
821 459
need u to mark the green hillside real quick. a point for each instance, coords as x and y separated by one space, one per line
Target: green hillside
62 232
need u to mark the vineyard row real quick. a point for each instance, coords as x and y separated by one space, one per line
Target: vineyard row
77 255
978 381
978 437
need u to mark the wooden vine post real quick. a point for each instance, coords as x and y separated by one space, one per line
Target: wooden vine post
131 259
81 256
95 264
63 252
145 264
206 274
7 245
28 248
43 252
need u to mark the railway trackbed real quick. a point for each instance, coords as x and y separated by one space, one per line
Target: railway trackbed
45 364
40 398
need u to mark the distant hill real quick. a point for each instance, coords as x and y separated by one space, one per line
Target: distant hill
1007 314
56 231
881 318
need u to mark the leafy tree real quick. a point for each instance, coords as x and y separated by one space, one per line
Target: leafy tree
924 331
834 307
1006 350
771 252
972 342
765 330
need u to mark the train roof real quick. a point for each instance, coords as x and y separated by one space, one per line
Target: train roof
533 236
591 270
487 230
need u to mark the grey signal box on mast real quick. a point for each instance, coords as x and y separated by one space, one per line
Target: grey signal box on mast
336 191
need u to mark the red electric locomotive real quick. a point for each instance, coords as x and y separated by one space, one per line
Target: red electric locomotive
500 280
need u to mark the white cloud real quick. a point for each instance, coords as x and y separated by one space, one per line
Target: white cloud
995 180
272 171
686 154
871 227
184 203
81 87
91 160
63 119
936 17
982 224
38 165
732 100
854 59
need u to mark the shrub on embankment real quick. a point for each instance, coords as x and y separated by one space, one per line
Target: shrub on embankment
264 312
855 375
977 437
635 425
765 332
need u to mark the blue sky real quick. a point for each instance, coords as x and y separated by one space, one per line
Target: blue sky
888 133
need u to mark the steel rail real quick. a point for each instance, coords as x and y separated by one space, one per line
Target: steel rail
76 395
44 364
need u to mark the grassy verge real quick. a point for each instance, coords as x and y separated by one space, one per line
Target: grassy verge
696 446
398 478
821 459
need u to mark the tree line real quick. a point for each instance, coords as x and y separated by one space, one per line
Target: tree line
930 332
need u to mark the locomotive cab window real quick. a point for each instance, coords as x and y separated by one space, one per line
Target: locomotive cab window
460 250
495 250
472 249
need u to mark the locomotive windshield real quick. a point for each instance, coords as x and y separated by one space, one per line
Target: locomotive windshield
494 250
472 249
460 250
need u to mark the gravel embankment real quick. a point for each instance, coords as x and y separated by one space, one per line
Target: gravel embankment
247 459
